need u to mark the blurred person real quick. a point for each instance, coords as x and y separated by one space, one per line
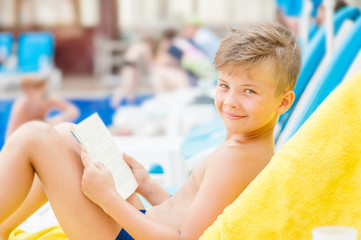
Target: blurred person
290 23
288 13
4 56
36 103
138 54
201 37
180 66
141 56
321 15
176 61
190 57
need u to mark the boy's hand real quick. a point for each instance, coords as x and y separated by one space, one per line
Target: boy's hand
141 174
148 187
97 182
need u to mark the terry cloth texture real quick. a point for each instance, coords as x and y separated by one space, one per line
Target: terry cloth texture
51 233
314 180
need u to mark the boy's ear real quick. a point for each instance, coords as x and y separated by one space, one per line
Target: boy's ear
287 100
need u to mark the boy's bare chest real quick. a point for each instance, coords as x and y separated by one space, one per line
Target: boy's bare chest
37 110
198 173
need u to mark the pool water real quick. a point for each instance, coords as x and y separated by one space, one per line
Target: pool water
87 106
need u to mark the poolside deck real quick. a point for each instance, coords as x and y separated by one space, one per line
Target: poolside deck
71 86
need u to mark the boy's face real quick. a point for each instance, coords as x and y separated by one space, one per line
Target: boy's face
35 90
246 101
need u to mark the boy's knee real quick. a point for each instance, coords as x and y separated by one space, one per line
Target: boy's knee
30 133
64 128
35 128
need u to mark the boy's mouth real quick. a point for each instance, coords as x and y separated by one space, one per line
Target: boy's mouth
233 116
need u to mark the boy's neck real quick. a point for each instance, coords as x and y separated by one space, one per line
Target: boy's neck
264 133
251 137
262 140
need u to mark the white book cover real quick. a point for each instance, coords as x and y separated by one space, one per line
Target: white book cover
96 139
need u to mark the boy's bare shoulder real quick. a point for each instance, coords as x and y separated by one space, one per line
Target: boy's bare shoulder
240 153
241 159
241 163
232 166
20 104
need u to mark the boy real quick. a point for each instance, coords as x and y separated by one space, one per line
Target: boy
258 69
36 104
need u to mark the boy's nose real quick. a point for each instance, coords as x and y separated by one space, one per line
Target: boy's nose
232 101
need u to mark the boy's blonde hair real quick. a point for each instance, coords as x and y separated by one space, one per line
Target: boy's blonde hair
32 81
270 46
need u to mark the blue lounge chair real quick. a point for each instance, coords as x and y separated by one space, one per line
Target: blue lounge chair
313 57
332 76
6 47
35 51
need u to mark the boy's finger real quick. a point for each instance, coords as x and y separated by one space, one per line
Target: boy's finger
99 165
85 159
129 160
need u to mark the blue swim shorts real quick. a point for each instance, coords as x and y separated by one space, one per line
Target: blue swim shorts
123 235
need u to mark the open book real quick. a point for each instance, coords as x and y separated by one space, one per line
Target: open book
96 139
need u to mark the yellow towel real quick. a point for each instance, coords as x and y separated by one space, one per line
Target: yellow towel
51 233
314 180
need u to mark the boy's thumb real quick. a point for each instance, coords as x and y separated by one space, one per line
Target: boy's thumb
129 160
100 165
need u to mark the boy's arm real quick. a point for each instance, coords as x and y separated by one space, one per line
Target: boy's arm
138 225
98 185
222 183
69 111
227 175
148 187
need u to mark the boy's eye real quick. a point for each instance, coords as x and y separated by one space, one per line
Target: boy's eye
223 85
249 91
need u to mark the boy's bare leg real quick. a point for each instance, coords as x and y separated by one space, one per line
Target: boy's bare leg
35 199
36 147
64 129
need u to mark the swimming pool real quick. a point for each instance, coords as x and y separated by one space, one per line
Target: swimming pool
87 107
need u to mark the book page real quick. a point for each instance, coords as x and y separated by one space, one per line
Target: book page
100 145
